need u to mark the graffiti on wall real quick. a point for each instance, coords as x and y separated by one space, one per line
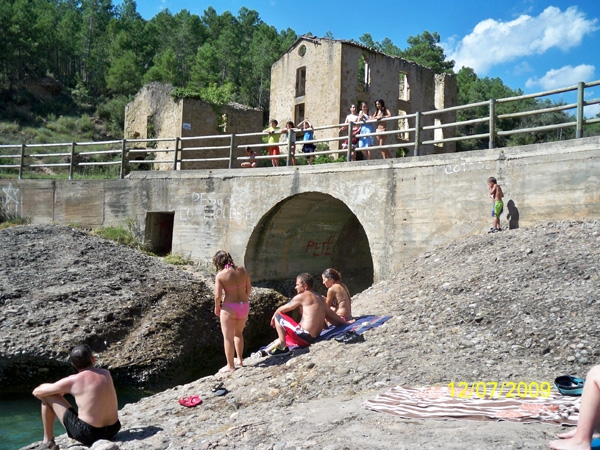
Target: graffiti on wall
320 248
453 169
209 206
10 201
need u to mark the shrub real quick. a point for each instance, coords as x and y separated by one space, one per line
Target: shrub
66 124
177 260
85 124
113 113
127 234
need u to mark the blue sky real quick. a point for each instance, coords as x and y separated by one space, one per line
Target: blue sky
533 45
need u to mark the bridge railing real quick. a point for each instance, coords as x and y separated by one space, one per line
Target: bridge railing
113 159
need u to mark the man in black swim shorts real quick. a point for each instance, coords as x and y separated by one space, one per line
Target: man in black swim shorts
96 400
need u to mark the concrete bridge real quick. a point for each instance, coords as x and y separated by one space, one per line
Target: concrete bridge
365 218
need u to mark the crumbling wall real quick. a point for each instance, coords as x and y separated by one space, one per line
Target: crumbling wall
221 121
155 114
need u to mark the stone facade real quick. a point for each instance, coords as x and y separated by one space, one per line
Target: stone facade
155 114
319 79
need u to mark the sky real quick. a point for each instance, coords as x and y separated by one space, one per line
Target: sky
532 45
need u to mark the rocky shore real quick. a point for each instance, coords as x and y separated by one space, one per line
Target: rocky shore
151 323
520 305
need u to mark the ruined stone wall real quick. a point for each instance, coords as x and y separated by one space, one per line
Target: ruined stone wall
155 114
203 119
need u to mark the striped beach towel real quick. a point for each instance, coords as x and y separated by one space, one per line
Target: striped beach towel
437 403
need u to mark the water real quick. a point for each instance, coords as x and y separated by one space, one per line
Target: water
21 423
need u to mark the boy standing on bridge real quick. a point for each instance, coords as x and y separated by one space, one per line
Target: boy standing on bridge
496 194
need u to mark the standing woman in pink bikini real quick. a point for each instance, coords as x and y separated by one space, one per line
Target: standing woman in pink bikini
233 307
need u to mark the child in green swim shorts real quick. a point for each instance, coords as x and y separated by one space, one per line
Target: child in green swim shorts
496 194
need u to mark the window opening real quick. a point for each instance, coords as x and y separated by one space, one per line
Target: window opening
364 73
403 88
300 81
403 125
299 113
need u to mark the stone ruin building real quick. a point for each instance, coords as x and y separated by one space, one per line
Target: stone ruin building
153 113
320 78
315 78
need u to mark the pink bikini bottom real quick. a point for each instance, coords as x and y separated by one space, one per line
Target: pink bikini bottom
238 310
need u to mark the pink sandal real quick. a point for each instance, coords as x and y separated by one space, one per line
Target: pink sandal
191 401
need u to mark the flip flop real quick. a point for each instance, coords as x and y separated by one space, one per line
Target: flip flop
191 401
221 392
217 387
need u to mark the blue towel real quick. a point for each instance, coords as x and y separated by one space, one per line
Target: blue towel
361 325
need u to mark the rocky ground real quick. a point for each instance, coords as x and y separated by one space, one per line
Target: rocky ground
520 305
151 323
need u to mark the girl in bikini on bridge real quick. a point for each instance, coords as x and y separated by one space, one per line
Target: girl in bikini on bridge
232 291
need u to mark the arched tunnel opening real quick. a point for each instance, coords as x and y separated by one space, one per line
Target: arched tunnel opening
309 232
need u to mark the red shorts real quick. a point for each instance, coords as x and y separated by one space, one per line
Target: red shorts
295 335
273 150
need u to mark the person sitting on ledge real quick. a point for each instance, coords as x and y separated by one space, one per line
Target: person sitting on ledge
314 312
96 400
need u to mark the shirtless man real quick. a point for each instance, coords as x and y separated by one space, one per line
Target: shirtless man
95 397
314 311
496 194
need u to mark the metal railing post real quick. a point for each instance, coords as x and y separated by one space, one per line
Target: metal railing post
123 151
72 161
417 132
289 147
349 152
22 161
492 123
580 103
176 153
231 149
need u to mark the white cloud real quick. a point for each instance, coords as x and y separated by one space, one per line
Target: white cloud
494 42
591 111
523 67
565 76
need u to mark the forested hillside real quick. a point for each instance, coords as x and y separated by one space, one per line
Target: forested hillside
71 57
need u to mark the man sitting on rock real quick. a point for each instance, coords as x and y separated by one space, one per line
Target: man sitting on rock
95 397
314 311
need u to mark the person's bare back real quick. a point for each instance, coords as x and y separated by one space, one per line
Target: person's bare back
95 396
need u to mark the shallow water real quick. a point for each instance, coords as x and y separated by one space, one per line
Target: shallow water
21 424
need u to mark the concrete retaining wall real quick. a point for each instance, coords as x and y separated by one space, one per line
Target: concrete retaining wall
365 218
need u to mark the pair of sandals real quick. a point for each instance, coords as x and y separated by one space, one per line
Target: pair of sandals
219 389
350 337
194 400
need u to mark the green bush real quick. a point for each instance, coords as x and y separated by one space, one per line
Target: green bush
113 113
66 124
85 124
177 260
127 234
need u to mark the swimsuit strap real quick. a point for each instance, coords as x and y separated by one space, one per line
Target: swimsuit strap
235 287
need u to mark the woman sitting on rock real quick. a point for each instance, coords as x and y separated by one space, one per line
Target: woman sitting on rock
232 290
338 296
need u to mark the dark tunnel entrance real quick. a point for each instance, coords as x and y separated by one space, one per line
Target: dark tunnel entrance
309 232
